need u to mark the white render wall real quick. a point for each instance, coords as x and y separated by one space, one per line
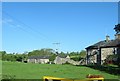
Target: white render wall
42 61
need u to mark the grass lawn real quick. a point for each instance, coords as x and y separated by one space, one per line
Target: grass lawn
37 71
0 69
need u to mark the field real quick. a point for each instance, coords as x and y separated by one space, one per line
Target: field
37 71
0 69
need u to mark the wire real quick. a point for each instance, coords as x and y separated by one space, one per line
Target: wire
12 24
27 26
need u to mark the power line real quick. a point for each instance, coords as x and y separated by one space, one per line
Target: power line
30 28
12 24
27 26
56 43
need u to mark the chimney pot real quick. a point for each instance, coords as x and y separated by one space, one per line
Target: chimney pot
107 38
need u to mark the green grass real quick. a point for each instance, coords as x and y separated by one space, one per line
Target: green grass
0 69
37 71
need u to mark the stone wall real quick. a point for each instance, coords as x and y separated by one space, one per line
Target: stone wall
60 60
92 58
105 52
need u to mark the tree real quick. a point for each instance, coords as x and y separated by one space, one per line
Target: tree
77 56
52 57
72 54
19 59
2 54
117 28
42 52
83 54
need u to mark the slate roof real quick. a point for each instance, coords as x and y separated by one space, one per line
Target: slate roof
38 57
113 43
62 56
102 44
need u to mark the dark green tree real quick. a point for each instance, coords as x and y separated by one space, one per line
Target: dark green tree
117 28
83 54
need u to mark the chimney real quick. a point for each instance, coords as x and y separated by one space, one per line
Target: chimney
107 38
117 36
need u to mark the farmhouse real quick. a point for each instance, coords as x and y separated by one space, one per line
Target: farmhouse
38 59
61 59
98 52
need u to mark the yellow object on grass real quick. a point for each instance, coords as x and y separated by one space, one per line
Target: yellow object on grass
48 78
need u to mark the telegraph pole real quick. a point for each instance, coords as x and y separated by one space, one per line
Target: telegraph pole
56 49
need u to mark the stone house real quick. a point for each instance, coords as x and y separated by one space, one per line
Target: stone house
66 59
38 59
98 52
61 59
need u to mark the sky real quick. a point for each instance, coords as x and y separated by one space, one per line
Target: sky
30 26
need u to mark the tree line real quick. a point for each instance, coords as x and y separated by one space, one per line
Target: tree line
42 52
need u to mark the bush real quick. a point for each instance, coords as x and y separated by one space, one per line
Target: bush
112 59
76 58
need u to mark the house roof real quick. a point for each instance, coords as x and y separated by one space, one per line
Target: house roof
62 56
98 44
102 44
38 57
113 43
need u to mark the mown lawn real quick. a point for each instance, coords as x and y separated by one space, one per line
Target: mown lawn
37 71
0 69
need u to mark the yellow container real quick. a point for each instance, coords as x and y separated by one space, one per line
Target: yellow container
48 78
95 79
92 79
